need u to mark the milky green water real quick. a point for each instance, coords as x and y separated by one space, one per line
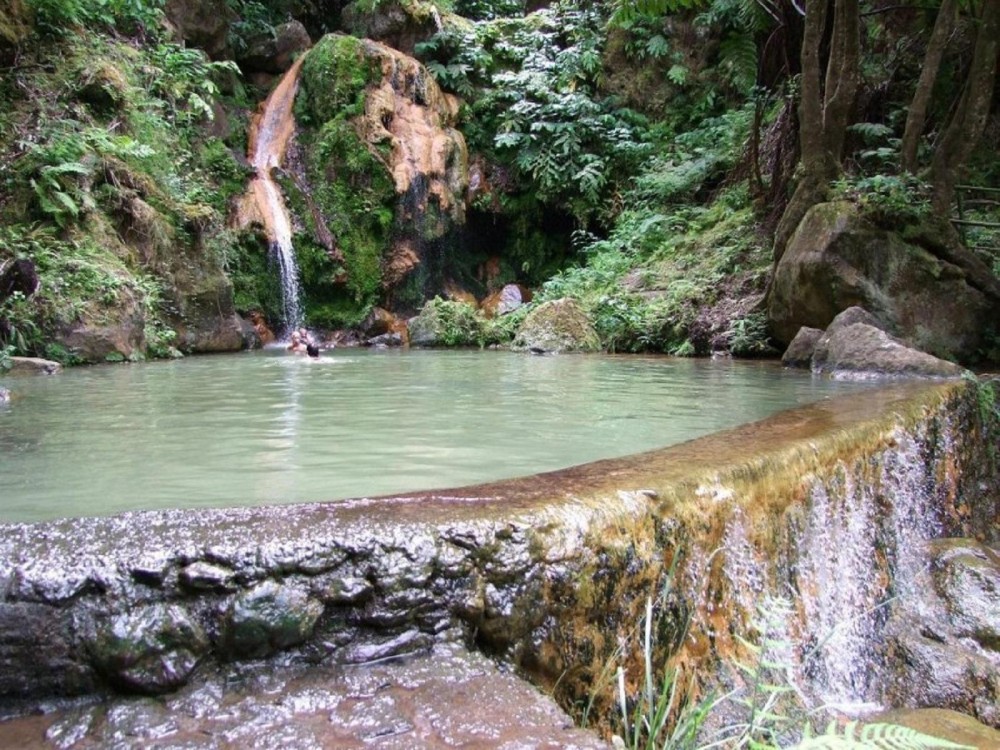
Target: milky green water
271 427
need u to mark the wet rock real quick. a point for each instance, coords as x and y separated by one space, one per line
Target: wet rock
342 590
409 642
37 656
251 335
447 699
506 300
557 326
924 287
33 366
203 576
151 650
378 322
268 618
967 576
115 337
386 341
944 638
205 316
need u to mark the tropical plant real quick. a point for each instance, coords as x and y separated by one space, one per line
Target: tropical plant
536 103
766 709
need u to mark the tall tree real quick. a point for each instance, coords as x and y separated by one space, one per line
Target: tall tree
944 24
825 105
969 119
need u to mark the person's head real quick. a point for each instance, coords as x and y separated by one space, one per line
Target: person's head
312 350
295 337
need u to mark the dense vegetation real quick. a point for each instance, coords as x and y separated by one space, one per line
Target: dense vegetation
647 158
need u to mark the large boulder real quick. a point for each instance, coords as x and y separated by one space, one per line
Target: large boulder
923 287
383 128
31 366
274 50
557 326
106 335
945 634
204 315
202 23
400 24
855 346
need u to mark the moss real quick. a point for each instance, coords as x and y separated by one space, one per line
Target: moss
256 286
352 190
334 77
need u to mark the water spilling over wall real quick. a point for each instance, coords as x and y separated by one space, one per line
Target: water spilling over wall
825 507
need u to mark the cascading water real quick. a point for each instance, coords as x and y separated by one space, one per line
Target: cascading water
268 141
862 549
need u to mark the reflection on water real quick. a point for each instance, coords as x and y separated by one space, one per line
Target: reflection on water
269 427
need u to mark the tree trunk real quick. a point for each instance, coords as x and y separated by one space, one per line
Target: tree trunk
824 114
843 74
967 124
936 45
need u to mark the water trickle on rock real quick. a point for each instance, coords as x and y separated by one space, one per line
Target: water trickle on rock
269 136
862 548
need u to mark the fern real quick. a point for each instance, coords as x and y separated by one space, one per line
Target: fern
874 737
738 60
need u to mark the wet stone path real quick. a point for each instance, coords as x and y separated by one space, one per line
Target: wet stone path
451 698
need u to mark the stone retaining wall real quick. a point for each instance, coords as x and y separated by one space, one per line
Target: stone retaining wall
549 572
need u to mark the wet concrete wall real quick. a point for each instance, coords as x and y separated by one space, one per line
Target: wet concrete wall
550 572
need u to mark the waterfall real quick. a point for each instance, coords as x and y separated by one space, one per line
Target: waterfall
268 141
863 547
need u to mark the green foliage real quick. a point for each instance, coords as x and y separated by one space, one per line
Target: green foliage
748 337
60 17
536 103
765 711
488 10
890 201
78 279
645 284
254 20
334 77
459 323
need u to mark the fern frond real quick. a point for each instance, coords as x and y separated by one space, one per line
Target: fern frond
876 736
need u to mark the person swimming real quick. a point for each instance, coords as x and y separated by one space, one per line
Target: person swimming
296 344
312 350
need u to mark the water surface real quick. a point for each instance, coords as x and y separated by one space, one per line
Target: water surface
270 427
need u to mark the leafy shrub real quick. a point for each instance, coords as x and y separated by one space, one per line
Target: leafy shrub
748 337
59 17
887 200
536 103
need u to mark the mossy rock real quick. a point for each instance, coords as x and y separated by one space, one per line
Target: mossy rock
923 288
151 650
103 87
269 617
557 326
